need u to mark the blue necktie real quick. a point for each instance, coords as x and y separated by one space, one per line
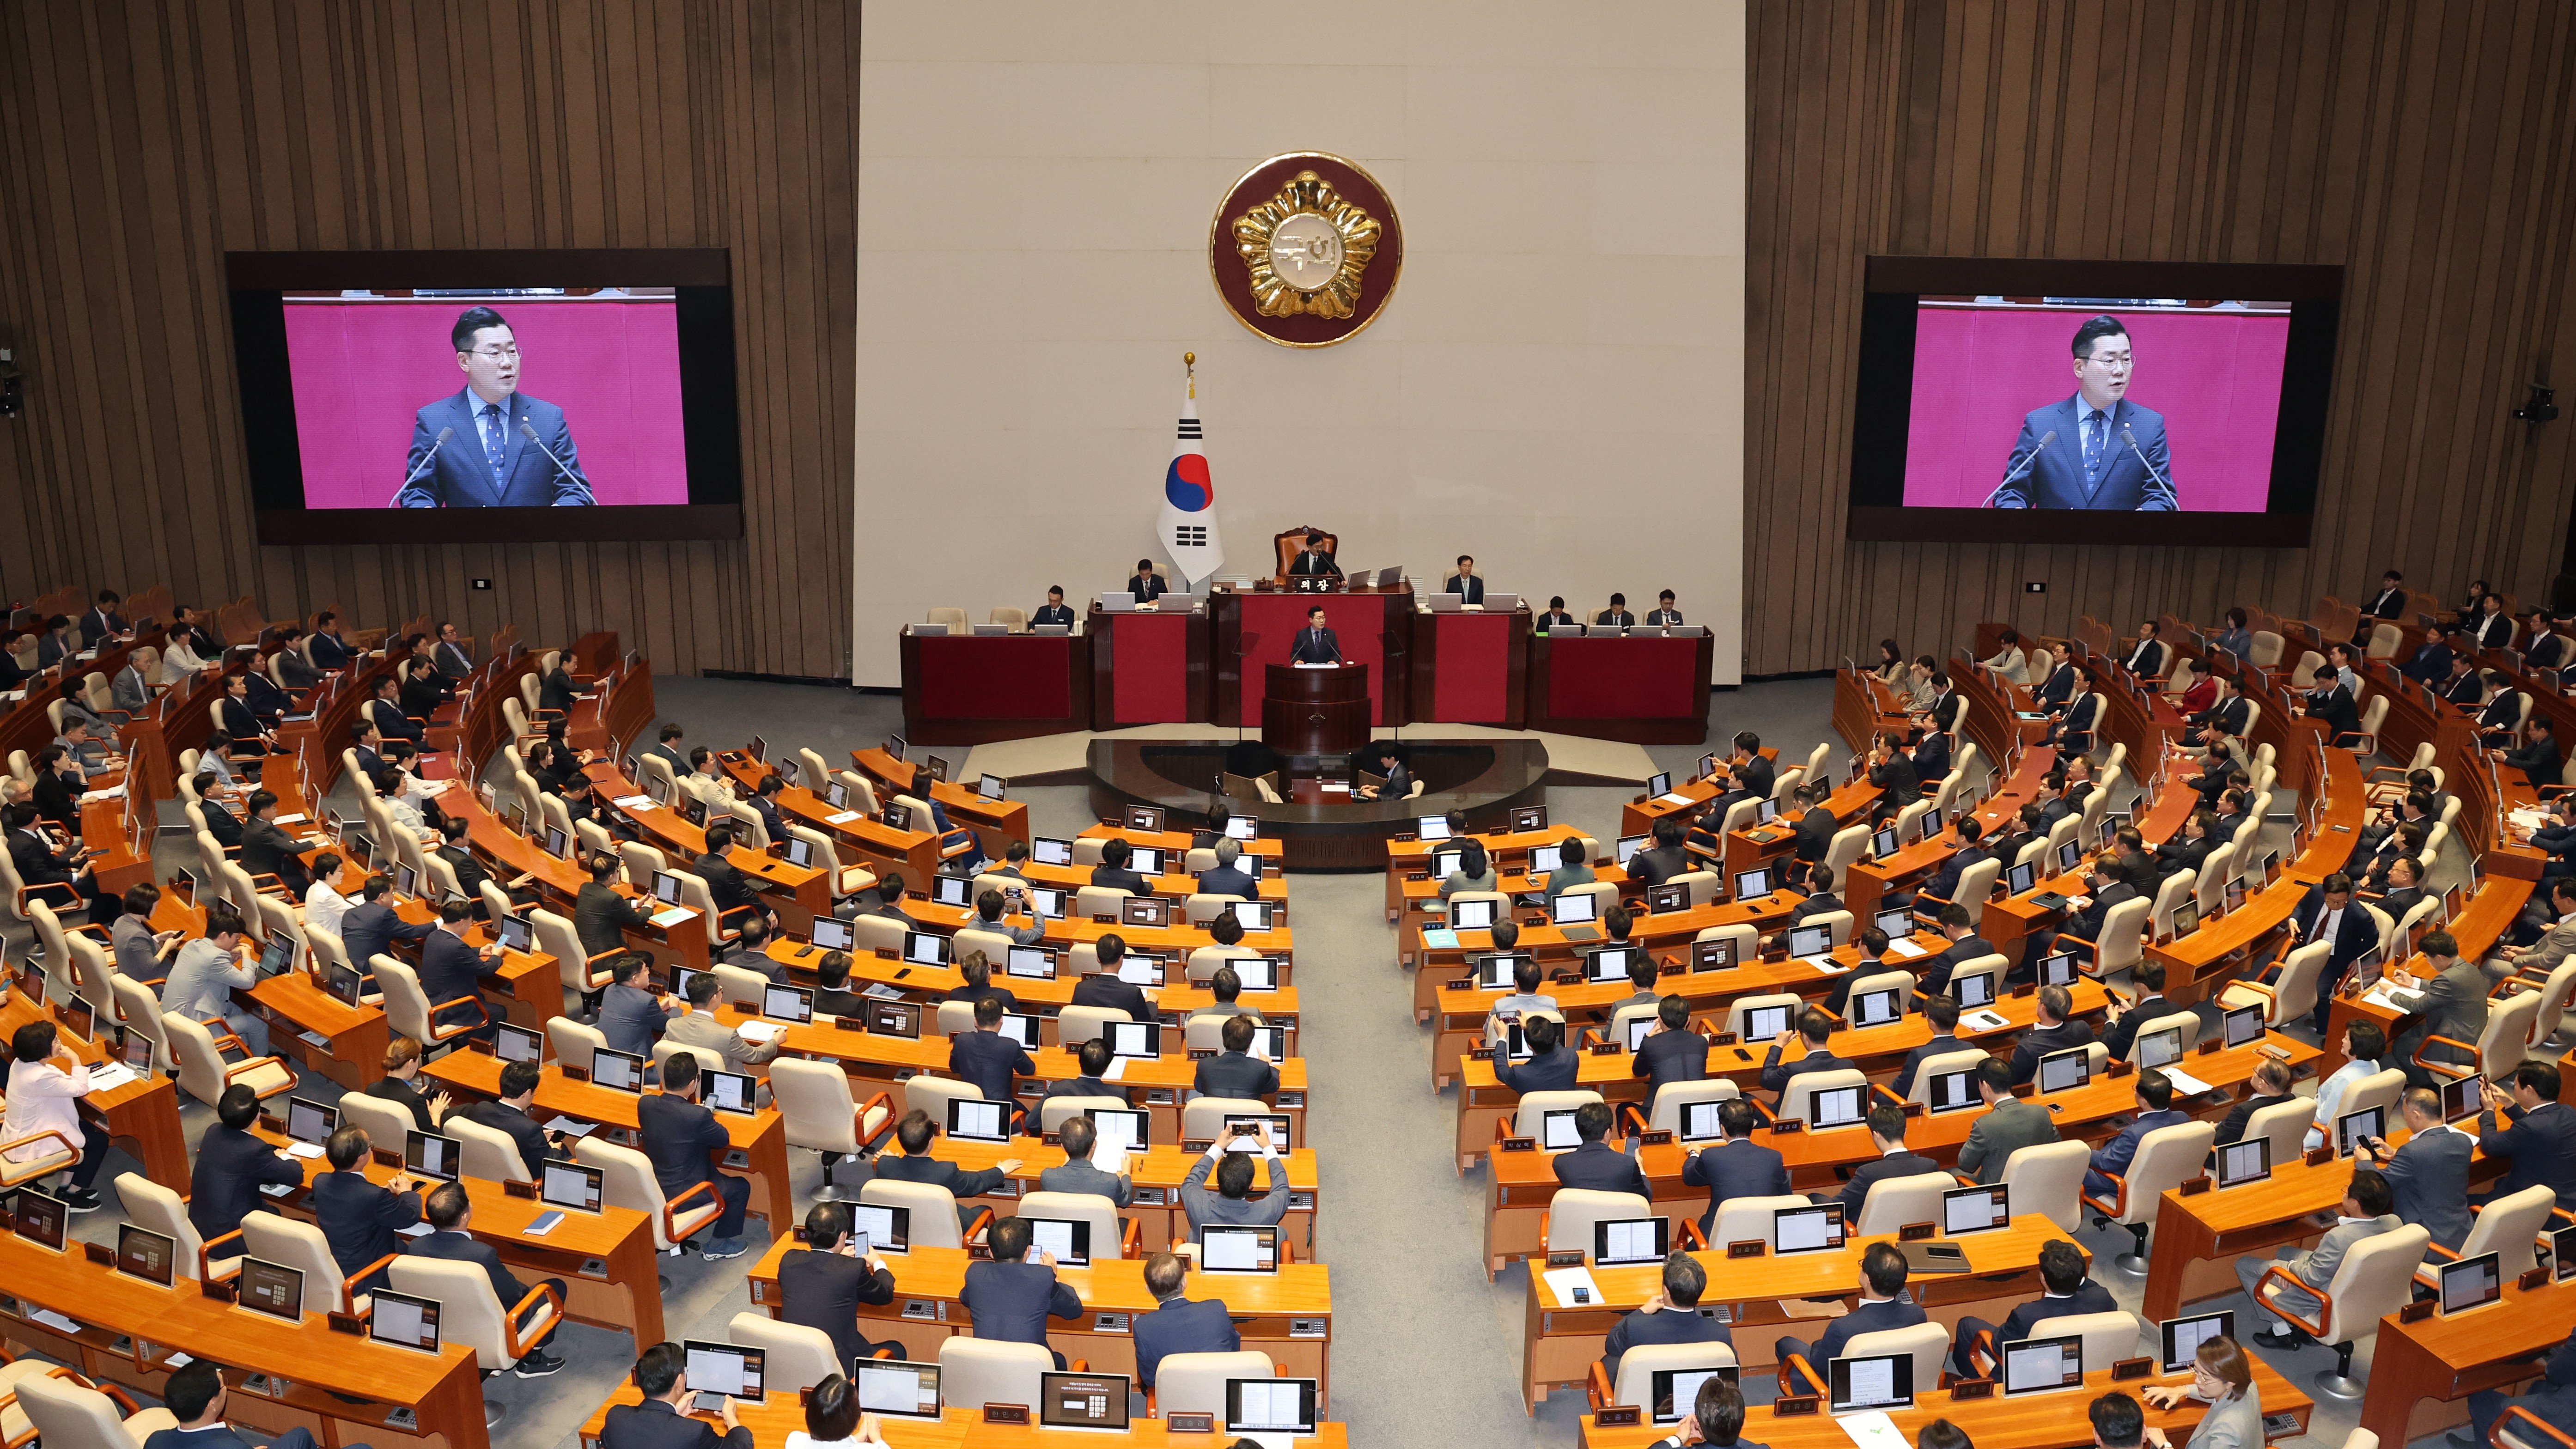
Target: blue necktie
492 439
2094 427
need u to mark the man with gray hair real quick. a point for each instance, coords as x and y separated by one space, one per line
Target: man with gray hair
2452 1007
1228 879
1077 1173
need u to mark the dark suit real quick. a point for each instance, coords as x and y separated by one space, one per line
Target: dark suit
1471 588
2542 1144
2231 1128
2465 690
1052 614
370 928
1869 1317
1316 646
2088 1297
1740 1168
654 1424
1599 1167
1933 977
1777 1074
1224 881
2539 762
725 884
1104 989
2429 1174
961 1184
1932 756
327 651
268 850
464 475
225 1183
824 1290
520 1128
1235 1074
989 1060
2112 1158
405 1095
2057 687
2146 659
394 724
2054 476
2083 717
1940 1044
1669 1325
1897 780
470 873
2333 706
2356 936
1877 1170
2121 1035
1815 834
1312 562
677 1136
359 1220
2551 1398
1011 1302
2432 662
220 823
600 917
2454 1007
451 970
1656 866
2040 1041
1670 1056
1554 1071
1182 1325
1120 878
1614 618
58 800
1755 777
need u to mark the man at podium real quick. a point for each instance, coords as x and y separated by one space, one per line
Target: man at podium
1315 643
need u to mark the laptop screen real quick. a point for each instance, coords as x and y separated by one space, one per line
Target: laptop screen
2158 1048
1953 1091
430 1155
1556 1130
723 1368
1610 963
2247 1161
1621 1241
1808 942
730 1091
893 1386
2061 1070
1717 955
924 949
309 1121
1807 1229
1232 1249
1471 915
1136 1038
273 1289
571 1185
1699 1121
1431 827
519 1044
1030 963
2179 1339
1836 1106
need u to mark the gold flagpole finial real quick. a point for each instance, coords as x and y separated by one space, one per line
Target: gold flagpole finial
1189 362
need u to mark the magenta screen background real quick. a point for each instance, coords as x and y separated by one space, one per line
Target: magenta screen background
2216 377
362 369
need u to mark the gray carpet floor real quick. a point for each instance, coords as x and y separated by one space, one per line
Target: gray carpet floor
1425 1349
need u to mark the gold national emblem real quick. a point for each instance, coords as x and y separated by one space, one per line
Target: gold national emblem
1306 248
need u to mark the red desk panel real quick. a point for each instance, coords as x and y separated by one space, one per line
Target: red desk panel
1651 690
961 689
1469 668
1148 668
1271 621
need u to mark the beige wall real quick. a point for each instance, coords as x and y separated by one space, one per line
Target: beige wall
1556 387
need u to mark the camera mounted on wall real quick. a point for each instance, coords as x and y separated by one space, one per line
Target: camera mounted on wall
2542 408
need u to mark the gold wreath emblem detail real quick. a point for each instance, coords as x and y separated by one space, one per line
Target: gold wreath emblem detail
1306 248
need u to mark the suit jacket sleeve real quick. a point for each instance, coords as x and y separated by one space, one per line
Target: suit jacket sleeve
2018 466
572 489
2159 496
1973 1151
422 491
1064 1302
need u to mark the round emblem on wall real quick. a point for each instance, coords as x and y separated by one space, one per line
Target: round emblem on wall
1305 249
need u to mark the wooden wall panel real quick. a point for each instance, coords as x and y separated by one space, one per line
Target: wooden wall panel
151 136
2426 145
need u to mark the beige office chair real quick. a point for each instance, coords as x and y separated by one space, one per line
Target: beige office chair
934 1212
2165 1158
294 1243
1939 1064
795 1357
1895 1202
1531 1113
203 1072
471 1314
409 1009
1567 1223
2048 1179
1109 1237
2380 1089
627 1180
931 1095
584 974
1054 1112
950 616
1927 1343
1202 1118
574 1043
2108 1337
2500 1047
2185 1022
2508 1227
1798 1101
1093 900
974 1372
821 1114
1639 1365
1743 1219
2376 1278
489 1152
67 1412
2292 997
1075 1025
1901 982
1194 1383
385 1122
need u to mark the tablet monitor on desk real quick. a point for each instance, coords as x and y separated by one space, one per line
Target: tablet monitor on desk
835 794
885 1229
1878 1008
1136 1039
1895 924
1121 1126
1675 1392
2068 853
833 934
1660 783
2185 921
1516 1043
1610 963
1967 1210
897 817
1973 991
2159 1048
1808 942
1807 1229
1699 1121
145 1254
720 1371
1048 903
272 1288
1083 1401
1021 1028
2072 1067
1556 1130
40 1218
571 1185
1145 859
800 852
666 888
616 1070
1431 827
2353 1128
80 1019
1766 812
558 844
1227 1248
518 933
2057 969
894 1386
791 1004
309 1121
1138 969
1528 817
1881 1381
1717 955
2562 1255
1445 863
2472 1283
1494 972
1953 1092
2247 1161
1248 827
1752 883
937 765
2243 1026
430 1155
952 890
972 1119
1145 817
1627 847
1254 973
1472 915
924 949
1884 842
1574 909
729 1091
1269 1042
519 1044
901 1019
2179 1339
1544 858
2461 1099
1253 915
1762 1023
2038 1365
404 1321
1829 1107
1030 963
2021 877
1048 850
894 744
990 787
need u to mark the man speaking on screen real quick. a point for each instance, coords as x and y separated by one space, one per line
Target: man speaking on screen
491 445
2096 449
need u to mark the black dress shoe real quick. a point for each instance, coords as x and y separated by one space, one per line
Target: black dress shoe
2288 1340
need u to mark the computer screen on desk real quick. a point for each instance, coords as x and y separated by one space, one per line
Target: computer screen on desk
518 1044
145 1254
1953 1091
1973 991
1675 1392
2244 1026
975 1120
885 1229
2179 1339
2057 969
571 1185
1752 883
2021 877
1621 1241
1573 909
2059 1071
1877 1008
1271 1406
1762 1023
1975 1210
2472 1283
1083 1401
1067 1239
2247 1161
894 1386
2159 1048
1609 963
1809 942
1837 1107
1881 1381
791 1004
431 1155
2036 1365
2361 1126
1896 924
834 935
1471 915
1431 827
1699 1121
619 1071
1556 1130
1494 973
404 1321
273 1289
1049 850
310 1122
1237 1249
1807 1229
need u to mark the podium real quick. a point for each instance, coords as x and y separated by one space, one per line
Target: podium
1315 711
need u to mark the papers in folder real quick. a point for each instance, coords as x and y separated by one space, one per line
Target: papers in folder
1906 949
672 915
571 1128
843 818
304 1150
1563 1281
1673 798
1439 940
758 1031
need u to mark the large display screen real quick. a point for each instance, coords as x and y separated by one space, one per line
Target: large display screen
442 397
2091 402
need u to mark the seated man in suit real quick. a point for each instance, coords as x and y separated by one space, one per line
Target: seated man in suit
1177 1323
2149 977
232 1164
678 1133
1078 1173
452 971
2008 1125
977 982
2056 1031
1930 755
1229 878
1464 583
510 1117
700 1028
1932 978
1815 1029
2066 1290
1670 1316
1594 1164
1554 616
726 885
1229 1162
1894 1160
1103 988
1664 859
987 1058
659 1422
1884 1305
1554 1062
1012 1299
1671 1051
1054 610
915 1164
2557 942
2269 1086
268 850
1313 561
1942 1015
1816 824
2329 913
451 1219
824 1282
1235 1072
2551 1397
633 1016
1147 585
1112 871
195 1396
2363 1214
2453 1006
2155 1109
1091 1058
2075 727
993 912
360 1220
2428 1178
39 864
2146 658
1616 616
1737 1166
1390 764
2329 702
2110 884
2524 1121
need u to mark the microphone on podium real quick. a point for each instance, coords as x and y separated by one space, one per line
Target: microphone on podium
2018 469
425 460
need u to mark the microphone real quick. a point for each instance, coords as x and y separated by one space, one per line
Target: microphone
425 460
2131 439
2023 466
530 434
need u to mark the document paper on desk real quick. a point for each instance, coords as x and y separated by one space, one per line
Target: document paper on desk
1674 798
758 1031
1982 1020
1905 949
109 1077
633 802
1873 1431
2185 1082
571 1128
1563 1281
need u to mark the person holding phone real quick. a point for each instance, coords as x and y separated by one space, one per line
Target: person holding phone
662 1420
825 1281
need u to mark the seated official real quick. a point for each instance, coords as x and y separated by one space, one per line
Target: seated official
1554 1061
1229 878
976 982
1390 764
1225 993
1932 980
2269 1085
231 1166
1235 1072
362 1221
1894 1160
834 1419
1475 871
633 1015
1464 583
1147 585
2066 1290
1229 1163
1078 1173
1616 616
1313 561
2056 1031
2363 1214
660 1421
678 1133
1643 972
1554 616
915 1164
195 1396
833 996
1594 1164
2453 1007
267 850
1671 1051
2148 976
2525 1122
2154 1091
1943 884
1092 1058
1573 868
1716 1419
1671 1315
1940 1013
1054 610
2189 849
1665 859
400 1085
451 1218
205 973
2109 883
451 969
46 1085
1815 826
2551 1397
1178 1324
1103 987
2081 716
1113 873
1892 771
1883 1305
510 1117
1012 1300
824 1282
2007 1125
1814 1032
2364 1043
2428 1177
987 1058
1737 1166
1524 997
1663 614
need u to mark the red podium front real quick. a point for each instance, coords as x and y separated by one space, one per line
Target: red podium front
1321 711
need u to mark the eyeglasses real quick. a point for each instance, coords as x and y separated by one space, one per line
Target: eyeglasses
496 354
2110 359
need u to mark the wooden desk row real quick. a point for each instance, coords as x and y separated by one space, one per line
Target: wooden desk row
780 1415
142 1116
1156 1176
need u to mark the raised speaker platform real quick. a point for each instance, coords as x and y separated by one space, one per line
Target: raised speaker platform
1319 829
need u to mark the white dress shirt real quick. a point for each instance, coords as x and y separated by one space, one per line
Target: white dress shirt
43 1098
324 906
